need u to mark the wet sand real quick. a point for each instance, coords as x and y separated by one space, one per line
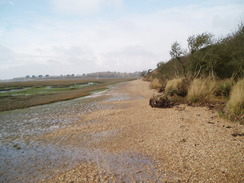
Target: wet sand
132 142
120 138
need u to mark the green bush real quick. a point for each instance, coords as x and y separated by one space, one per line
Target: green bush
223 88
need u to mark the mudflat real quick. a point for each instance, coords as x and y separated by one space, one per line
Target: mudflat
128 141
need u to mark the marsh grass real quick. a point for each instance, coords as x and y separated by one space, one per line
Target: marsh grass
33 91
40 89
38 94
235 105
56 83
201 89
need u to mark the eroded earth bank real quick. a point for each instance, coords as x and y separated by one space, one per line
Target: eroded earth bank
118 137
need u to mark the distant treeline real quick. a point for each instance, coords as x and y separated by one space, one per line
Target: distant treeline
96 75
112 75
206 56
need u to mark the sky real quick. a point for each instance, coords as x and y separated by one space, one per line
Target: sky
59 37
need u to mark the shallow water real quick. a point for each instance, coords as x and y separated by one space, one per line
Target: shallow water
44 118
13 90
31 160
23 160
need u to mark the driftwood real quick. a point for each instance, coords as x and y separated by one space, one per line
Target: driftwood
160 101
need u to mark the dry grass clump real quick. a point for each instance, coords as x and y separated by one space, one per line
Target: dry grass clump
178 86
201 89
157 84
235 105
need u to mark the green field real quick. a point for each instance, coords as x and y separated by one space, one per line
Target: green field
16 95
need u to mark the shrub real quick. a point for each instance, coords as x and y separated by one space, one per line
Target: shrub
178 86
201 89
235 105
224 87
157 84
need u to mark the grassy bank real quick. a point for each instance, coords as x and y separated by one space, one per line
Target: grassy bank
19 95
226 96
210 72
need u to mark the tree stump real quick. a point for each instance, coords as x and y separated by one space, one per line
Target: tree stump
160 101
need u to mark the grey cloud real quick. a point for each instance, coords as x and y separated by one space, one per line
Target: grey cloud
108 44
59 60
129 58
83 6
75 55
6 55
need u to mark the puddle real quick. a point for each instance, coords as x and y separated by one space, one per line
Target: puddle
14 90
35 161
45 160
82 85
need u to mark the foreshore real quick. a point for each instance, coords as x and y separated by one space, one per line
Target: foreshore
128 141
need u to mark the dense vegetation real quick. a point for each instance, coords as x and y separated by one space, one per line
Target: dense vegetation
210 70
221 58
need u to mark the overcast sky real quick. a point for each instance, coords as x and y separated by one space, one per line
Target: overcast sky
80 36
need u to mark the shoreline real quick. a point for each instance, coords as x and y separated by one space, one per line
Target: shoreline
118 137
182 143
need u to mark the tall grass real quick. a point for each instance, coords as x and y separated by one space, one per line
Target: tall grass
201 89
235 105
156 84
178 86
